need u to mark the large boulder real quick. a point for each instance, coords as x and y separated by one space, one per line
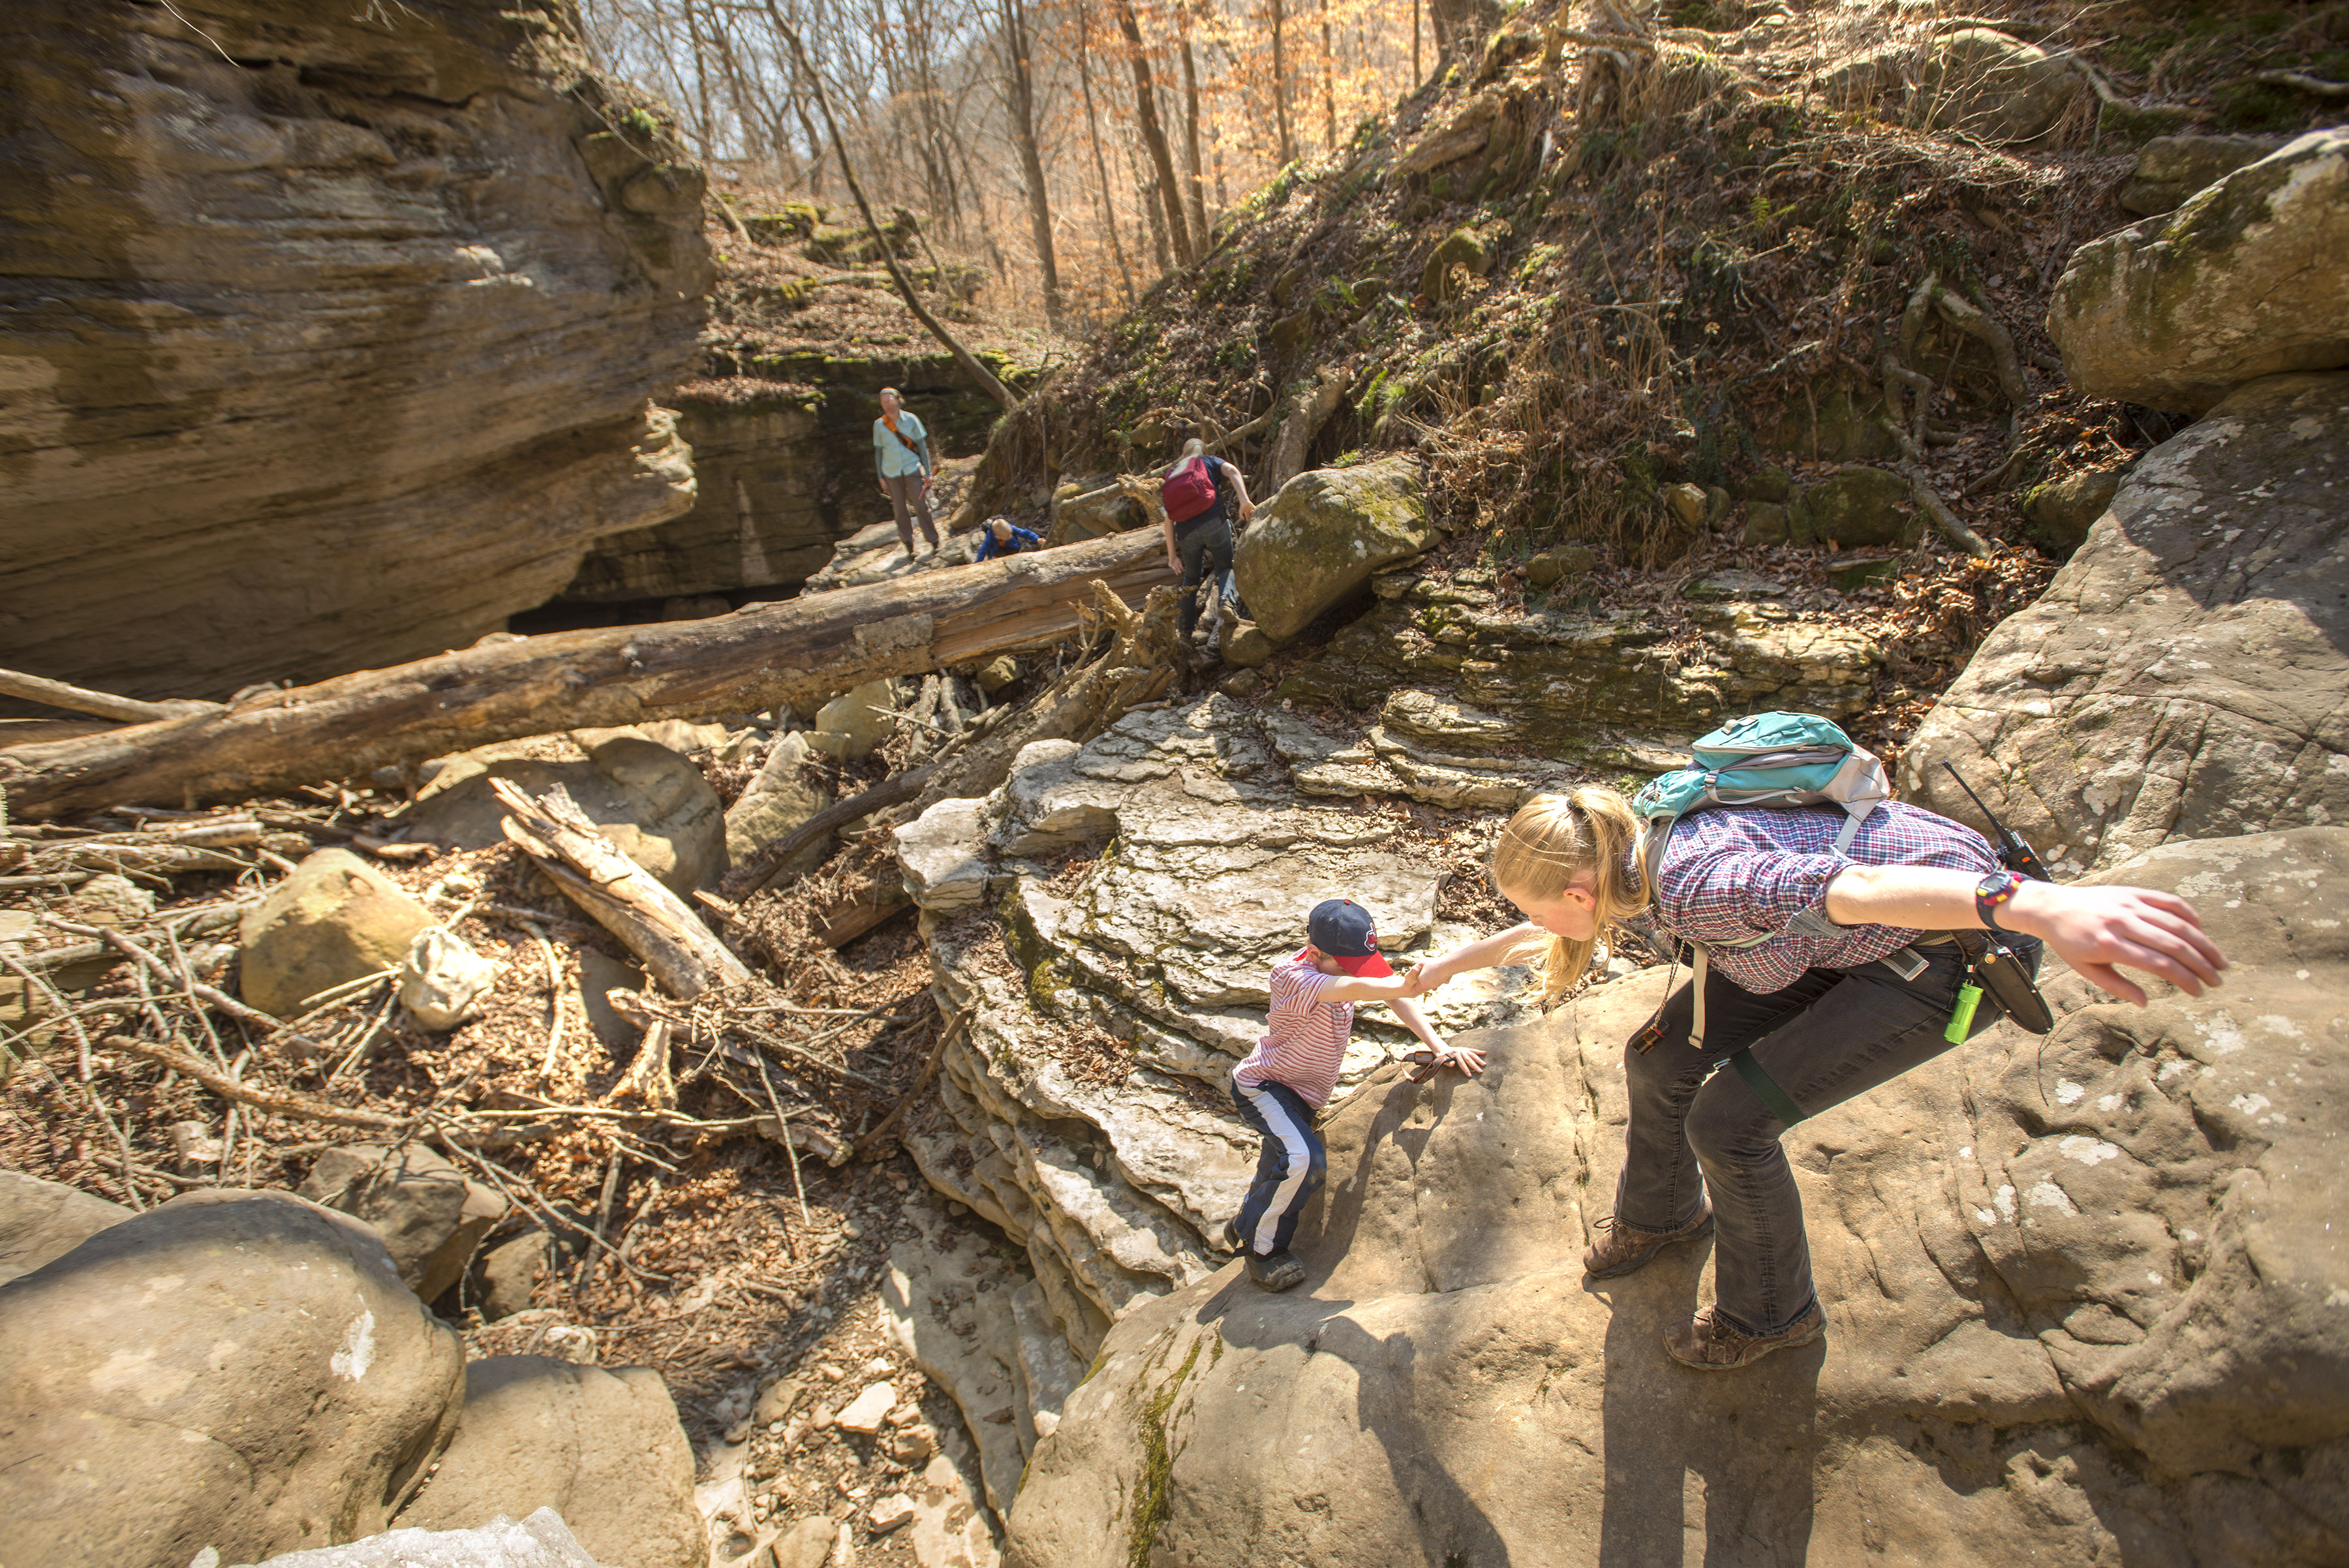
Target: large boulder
2186 674
237 1371
1995 86
431 1214
1321 537
780 796
2244 280
342 340
2076 1294
853 724
603 1449
335 919
44 1219
653 804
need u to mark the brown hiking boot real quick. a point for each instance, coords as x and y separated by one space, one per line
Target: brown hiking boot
1709 1344
1620 1248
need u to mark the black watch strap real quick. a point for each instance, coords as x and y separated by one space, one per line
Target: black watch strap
1994 892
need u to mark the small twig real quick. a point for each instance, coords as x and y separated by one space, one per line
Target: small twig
277 1102
907 718
554 997
837 1068
122 1142
132 950
65 1010
783 1135
497 1176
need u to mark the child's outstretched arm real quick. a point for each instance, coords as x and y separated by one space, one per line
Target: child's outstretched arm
1482 953
1469 1062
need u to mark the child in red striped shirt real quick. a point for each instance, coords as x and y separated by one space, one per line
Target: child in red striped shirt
1290 1074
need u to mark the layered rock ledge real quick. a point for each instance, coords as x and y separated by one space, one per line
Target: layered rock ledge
330 353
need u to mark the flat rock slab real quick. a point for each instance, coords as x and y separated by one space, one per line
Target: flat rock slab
2186 674
431 1214
603 1449
241 1371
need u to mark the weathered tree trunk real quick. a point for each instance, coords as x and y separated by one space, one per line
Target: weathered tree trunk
798 651
1328 83
1154 135
1280 87
1031 162
1199 188
626 899
1101 165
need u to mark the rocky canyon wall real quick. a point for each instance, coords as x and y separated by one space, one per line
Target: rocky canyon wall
327 333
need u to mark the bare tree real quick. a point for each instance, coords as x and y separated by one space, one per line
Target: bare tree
978 372
1031 161
1101 167
1280 89
1198 188
1154 137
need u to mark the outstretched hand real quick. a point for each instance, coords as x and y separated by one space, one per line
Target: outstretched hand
2095 929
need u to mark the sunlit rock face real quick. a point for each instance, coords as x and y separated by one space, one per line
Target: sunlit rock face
2086 1303
331 350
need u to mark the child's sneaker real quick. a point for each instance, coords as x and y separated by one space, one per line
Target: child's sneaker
1231 1236
1276 1270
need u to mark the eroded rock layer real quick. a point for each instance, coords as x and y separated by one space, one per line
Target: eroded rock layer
327 334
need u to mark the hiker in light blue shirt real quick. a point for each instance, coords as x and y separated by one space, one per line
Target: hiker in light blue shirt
902 449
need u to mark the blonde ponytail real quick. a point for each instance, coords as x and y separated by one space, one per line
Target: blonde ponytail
1551 840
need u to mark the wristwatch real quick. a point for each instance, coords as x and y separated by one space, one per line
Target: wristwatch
1992 891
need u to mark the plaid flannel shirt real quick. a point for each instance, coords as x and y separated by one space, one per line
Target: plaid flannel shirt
1729 875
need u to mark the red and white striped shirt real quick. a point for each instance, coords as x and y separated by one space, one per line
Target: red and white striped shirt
1306 1037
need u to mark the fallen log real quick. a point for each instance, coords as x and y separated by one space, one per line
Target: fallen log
797 652
658 927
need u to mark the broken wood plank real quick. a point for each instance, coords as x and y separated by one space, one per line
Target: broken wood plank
625 898
799 651
105 705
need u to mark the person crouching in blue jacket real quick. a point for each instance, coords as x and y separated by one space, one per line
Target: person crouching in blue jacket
1000 538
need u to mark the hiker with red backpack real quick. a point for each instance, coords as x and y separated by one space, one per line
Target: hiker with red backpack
1838 939
1198 534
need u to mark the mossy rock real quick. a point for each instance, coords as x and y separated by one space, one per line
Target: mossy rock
1318 542
1835 425
1462 251
790 221
1563 564
1766 523
2061 512
1861 506
2242 281
1770 484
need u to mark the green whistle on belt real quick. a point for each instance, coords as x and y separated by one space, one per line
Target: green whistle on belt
1962 1016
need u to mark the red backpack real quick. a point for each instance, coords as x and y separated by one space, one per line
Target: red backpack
1189 490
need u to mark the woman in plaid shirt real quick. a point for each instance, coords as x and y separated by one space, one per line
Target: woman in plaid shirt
1852 985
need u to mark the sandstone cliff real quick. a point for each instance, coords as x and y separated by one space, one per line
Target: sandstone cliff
329 332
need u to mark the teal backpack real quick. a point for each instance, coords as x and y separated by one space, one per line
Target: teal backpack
1763 759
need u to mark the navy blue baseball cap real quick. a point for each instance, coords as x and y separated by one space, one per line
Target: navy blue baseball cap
1344 930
